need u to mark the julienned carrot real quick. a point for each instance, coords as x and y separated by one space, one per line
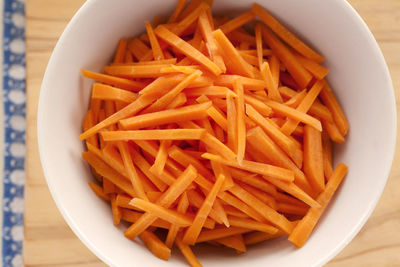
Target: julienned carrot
313 158
255 167
167 198
192 112
299 73
203 93
240 115
233 61
285 34
106 92
155 245
304 228
187 49
194 230
114 81
170 134
168 215
237 22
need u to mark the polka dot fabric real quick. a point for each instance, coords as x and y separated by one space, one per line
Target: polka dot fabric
13 98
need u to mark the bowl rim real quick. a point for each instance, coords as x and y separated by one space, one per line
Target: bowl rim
357 227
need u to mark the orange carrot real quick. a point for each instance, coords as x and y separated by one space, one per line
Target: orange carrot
285 34
162 156
154 244
304 228
232 123
155 46
237 22
267 199
120 53
251 224
186 49
99 191
214 144
235 241
194 229
138 48
272 88
114 81
313 158
179 7
177 102
217 233
292 209
170 134
241 127
116 211
106 92
299 73
257 237
183 205
191 112
233 61
135 71
187 252
327 156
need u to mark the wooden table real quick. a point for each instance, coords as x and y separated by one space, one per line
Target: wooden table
48 239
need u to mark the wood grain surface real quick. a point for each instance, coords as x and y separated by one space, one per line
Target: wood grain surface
50 242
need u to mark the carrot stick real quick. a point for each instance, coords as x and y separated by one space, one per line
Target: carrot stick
327 156
285 34
233 61
167 198
218 91
304 228
179 7
214 144
162 102
285 143
259 44
154 244
268 213
191 112
241 127
187 252
272 88
155 46
133 216
194 229
316 69
131 171
99 191
240 36
106 92
120 53
218 233
299 73
284 198
333 105
295 101
170 134
177 102
333 131
290 125
206 30
235 241
104 170
222 170
116 211
251 224
114 81
232 123
253 180
258 237
135 71
267 199
162 156
196 200
183 205
138 48
237 22
313 158
186 49
168 215
292 209
230 210
255 167
275 69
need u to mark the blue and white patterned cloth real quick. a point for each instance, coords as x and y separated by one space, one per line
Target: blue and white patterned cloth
12 131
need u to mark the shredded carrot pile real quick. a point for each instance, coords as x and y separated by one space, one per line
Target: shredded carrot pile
212 132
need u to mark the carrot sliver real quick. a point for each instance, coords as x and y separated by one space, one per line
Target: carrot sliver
138 48
116 211
155 46
168 215
120 53
135 71
186 49
329 99
196 200
167 198
268 213
162 156
194 229
299 73
272 88
267 199
327 156
292 209
275 65
106 92
241 127
154 244
99 191
191 112
237 22
218 233
235 241
182 207
251 224
304 228
313 158
233 61
255 167
253 180
187 253
232 123
333 131
216 145
177 102
258 237
285 34
316 69
179 7
114 81
170 134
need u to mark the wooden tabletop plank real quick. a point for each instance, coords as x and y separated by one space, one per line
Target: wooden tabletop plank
48 239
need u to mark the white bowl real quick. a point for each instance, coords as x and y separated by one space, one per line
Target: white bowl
359 77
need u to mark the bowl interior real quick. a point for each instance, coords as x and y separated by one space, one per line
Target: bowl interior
359 77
